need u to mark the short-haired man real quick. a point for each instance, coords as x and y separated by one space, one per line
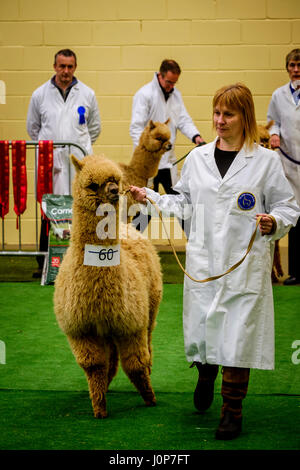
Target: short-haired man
64 109
284 110
159 100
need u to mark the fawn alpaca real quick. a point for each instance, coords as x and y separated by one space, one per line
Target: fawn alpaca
153 143
107 312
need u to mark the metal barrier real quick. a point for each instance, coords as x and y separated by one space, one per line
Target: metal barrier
20 251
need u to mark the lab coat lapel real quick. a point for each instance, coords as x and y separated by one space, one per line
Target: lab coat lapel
238 163
210 160
288 94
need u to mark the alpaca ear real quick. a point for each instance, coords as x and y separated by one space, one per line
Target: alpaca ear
167 121
78 164
270 124
151 124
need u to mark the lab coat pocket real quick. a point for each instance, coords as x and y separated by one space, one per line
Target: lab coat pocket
246 199
247 277
196 265
84 138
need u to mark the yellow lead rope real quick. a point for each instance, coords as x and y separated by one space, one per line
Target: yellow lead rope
212 278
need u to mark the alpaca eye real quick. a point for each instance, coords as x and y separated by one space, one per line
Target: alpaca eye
93 186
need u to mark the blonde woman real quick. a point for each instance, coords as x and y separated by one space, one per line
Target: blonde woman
229 322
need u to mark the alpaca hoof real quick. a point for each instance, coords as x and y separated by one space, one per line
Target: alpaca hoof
99 414
151 402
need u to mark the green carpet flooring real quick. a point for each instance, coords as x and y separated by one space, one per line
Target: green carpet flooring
44 402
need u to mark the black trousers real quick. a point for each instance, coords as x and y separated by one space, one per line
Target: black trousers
294 251
163 177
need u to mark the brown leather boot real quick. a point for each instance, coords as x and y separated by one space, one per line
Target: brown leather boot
234 390
204 392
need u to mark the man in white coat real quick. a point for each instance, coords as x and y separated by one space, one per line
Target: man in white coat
159 100
63 109
284 109
229 321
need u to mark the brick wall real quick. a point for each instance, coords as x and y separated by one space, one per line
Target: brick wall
120 43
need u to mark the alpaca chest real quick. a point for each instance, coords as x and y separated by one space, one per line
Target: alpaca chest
107 302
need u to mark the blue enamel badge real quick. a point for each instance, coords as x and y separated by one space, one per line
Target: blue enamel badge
246 201
81 112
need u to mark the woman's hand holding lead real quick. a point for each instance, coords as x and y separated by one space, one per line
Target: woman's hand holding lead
139 194
266 224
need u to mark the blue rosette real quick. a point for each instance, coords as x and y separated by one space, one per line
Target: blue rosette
81 112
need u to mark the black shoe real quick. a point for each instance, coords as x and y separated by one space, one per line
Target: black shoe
291 281
204 391
230 427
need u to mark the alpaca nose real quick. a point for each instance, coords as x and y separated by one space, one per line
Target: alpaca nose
113 191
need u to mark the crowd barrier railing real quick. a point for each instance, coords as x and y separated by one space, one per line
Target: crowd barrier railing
20 251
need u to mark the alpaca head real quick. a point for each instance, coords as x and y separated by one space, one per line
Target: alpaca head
97 181
156 137
264 135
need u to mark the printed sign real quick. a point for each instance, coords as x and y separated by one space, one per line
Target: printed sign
2 353
55 261
58 210
102 255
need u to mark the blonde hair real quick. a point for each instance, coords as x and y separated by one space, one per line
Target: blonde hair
238 97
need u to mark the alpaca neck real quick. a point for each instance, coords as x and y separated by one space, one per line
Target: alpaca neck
145 162
100 228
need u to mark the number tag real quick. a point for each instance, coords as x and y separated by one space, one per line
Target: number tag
101 255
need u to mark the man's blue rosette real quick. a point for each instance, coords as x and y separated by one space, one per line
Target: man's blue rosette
81 112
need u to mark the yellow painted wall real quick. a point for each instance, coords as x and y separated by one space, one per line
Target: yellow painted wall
120 43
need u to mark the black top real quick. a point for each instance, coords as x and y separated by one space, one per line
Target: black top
224 158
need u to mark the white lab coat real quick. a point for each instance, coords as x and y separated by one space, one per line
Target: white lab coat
229 321
51 118
286 114
149 103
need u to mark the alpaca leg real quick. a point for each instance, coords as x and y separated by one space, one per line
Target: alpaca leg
153 311
135 359
277 270
273 275
91 355
277 259
113 362
149 342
